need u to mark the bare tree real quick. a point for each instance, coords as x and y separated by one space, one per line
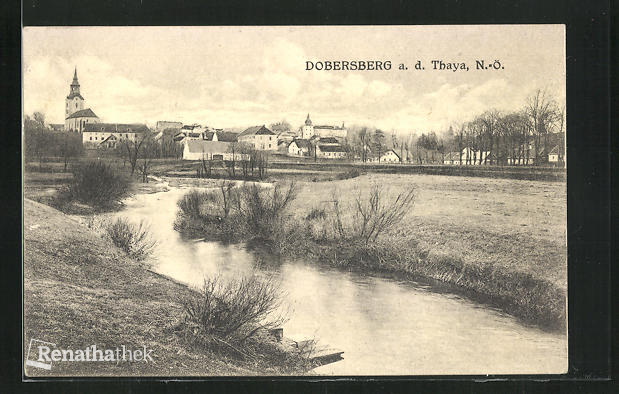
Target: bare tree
133 149
543 115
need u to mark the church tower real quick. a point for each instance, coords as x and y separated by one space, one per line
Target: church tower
74 101
308 129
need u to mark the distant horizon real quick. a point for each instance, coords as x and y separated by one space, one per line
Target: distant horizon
235 77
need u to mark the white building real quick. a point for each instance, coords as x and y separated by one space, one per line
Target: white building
210 150
389 156
331 151
556 156
299 147
260 137
109 135
309 130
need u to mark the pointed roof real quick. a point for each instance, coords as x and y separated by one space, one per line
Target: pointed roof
308 121
75 81
75 87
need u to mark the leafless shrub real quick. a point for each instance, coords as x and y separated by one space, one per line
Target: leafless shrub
262 209
229 197
230 312
373 214
134 239
191 203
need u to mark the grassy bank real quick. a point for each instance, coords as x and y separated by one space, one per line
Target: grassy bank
80 290
498 241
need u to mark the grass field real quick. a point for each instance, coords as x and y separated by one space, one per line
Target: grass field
519 225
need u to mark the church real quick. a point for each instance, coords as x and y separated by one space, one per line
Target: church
76 117
309 130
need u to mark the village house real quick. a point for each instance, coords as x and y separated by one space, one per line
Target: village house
331 151
286 136
387 156
210 150
191 132
108 135
260 137
309 130
299 147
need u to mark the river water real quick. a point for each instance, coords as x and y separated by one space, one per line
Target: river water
384 326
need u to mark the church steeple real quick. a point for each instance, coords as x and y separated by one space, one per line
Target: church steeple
74 101
75 85
308 121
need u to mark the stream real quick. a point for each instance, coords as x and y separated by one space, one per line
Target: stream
384 326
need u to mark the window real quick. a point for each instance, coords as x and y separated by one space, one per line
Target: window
91 138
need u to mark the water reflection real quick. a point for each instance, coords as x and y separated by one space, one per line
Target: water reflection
384 326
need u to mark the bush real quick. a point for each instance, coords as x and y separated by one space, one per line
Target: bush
352 173
262 209
190 204
98 185
372 214
134 239
228 313
235 213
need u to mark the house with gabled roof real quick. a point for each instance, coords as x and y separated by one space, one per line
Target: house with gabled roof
260 137
96 135
299 147
210 150
331 151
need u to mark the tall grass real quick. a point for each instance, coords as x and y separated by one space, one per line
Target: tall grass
233 213
373 214
134 239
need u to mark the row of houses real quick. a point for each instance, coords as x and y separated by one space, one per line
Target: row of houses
470 156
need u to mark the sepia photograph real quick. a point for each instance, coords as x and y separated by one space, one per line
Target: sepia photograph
294 200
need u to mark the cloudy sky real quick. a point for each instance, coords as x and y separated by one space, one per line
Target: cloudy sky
242 76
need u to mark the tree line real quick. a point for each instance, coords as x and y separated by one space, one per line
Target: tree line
525 136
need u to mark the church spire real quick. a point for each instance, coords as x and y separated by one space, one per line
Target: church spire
308 121
75 81
75 86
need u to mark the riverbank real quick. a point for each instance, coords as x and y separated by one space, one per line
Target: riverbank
80 290
501 242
